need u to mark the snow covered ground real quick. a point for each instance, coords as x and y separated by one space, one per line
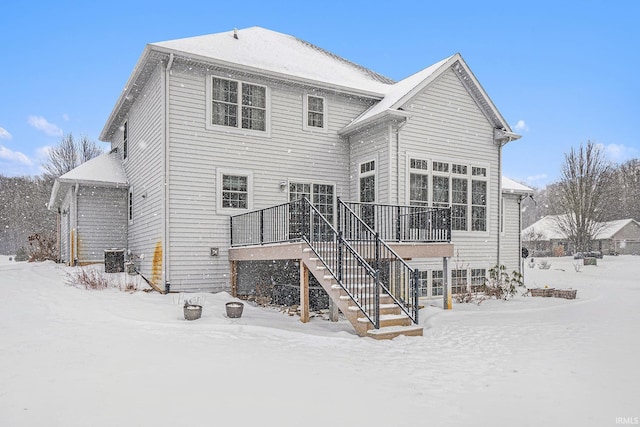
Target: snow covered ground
72 357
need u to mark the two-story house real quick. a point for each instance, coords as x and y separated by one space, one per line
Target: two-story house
237 150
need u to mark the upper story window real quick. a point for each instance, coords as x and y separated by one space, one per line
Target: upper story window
125 143
315 113
238 104
234 190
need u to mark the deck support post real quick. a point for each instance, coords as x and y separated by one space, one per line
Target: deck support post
234 278
446 277
304 292
333 310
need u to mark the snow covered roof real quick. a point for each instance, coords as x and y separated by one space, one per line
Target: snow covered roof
270 53
547 228
103 171
511 186
611 228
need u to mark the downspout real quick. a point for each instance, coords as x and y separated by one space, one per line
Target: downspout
400 126
500 219
520 259
74 240
390 169
166 170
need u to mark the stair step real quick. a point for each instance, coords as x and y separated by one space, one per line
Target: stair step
387 318
383 307
390 332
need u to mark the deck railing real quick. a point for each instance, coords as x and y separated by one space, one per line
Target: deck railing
276 224
397 223
354 253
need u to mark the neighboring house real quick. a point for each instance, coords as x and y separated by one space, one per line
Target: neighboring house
545 237
213 127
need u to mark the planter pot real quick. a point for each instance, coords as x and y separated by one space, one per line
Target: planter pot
234 309
192 311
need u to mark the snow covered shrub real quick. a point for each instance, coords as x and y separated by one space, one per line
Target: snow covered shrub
42 248
501 284
21 255
89 279
468 297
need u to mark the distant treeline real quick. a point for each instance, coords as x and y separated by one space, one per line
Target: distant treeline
23 211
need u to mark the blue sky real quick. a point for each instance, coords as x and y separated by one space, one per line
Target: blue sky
561 73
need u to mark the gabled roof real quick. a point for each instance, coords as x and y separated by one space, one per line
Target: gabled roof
611 228
103 171
548 228
256 50
511 186
400 93
269 53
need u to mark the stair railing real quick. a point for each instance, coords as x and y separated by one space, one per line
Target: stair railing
357 277
397 278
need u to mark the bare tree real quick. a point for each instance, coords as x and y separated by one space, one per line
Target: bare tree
69 154
625 194
583 192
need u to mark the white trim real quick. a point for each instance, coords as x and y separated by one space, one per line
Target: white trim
237 129
235 172
305 111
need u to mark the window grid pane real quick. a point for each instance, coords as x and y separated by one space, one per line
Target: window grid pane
478 205
235 192
315 111
423 283
458 281
437 283
477 279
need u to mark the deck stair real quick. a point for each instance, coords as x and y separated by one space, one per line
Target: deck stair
392 321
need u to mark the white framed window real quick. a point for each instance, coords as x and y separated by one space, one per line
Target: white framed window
367 190
477 278
130 205
464 188
437 283
315 113
459 283
125 140
418 182
237 105
234 191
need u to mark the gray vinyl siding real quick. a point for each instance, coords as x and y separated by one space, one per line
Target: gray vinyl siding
371 144
102 222
510 238
144 169
196 154
446 124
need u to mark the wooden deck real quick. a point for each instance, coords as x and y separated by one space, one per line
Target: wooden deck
294 250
